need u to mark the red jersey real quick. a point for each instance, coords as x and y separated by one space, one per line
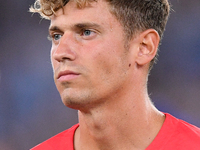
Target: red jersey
61 141
175 134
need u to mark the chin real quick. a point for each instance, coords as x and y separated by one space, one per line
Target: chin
80 100
76 102
71 104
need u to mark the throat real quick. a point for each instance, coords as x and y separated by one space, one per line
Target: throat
121 129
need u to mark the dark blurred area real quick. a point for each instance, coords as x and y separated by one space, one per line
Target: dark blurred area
31 110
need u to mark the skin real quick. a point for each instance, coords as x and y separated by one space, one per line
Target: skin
104 78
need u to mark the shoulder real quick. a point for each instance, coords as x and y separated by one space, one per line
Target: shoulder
186 130
176 134
182 126
63 140
183 134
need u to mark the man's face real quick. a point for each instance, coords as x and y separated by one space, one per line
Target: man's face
90 62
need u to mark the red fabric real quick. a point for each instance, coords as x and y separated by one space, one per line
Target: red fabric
175 134
62 141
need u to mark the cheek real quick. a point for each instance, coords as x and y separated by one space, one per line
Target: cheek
107 56
54 63
107 65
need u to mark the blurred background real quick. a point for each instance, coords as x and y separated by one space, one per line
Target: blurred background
30 107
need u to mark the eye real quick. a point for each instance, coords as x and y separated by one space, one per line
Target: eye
87 34
56 37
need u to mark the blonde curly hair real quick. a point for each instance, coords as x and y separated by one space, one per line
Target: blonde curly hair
47 8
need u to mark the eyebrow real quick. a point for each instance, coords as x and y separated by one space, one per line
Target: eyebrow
77 26
54 28
87 25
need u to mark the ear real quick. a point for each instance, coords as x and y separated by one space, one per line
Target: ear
149 41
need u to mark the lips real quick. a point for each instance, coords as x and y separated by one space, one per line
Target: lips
67 75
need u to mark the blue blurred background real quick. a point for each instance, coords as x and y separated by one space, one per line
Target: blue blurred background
30 107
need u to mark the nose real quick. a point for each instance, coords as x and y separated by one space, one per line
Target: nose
65 50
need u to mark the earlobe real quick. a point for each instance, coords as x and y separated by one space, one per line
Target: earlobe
149 41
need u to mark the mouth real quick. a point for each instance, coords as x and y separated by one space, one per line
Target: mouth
67 75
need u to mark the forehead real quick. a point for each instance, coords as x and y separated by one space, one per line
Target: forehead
96 12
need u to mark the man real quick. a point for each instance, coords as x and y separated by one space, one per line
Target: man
102 52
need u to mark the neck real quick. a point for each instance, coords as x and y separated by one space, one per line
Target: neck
124 125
